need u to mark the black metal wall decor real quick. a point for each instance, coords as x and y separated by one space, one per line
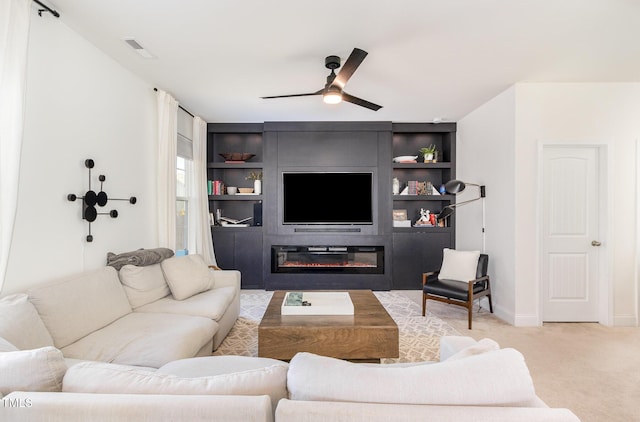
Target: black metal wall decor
90 199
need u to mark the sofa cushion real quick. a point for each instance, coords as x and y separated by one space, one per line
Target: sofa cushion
209 304
79 407
314 411
210 366
20 323
216 365
459 265
143 285
145 339
32 370
186 275
499 378
5 346
76 306
93 377
482 346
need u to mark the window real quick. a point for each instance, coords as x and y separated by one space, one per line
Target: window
184 183
183 173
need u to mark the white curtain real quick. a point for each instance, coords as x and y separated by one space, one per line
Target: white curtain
202 227
167 156
14 39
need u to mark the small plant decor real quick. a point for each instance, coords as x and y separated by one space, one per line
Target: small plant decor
254 175
429 153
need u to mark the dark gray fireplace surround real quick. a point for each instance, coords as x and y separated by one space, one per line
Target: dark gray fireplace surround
400 254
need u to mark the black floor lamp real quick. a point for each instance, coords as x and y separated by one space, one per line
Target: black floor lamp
456 186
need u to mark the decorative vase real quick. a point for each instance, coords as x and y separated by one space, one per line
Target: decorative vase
396 186
257 187
428 158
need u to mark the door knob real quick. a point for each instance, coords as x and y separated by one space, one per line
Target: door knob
595 243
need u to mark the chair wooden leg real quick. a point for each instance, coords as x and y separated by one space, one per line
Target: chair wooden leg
490 304
424 303
470 311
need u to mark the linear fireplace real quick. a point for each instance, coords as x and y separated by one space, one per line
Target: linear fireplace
327 259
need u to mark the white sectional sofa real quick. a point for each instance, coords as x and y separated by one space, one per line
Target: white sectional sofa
144 316
134 344
474 381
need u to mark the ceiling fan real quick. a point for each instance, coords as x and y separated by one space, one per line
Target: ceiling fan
333 91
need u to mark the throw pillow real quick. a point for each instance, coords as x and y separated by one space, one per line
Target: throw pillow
460 382
108 378
482 346
21 324
143 284
186 275
459 265
141 257
32 370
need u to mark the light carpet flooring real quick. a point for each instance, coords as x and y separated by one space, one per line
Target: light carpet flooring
589 368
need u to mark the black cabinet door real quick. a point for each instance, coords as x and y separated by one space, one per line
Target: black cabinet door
414 254
223 246
242 251
248 259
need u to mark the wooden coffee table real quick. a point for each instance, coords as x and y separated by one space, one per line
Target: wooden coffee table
369 335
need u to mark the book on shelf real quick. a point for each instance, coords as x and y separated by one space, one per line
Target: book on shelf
225 224
215 187
317 303
413 187
234 221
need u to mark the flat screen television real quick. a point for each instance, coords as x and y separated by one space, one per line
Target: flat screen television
327 198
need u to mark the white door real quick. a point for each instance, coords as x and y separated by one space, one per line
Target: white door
570 242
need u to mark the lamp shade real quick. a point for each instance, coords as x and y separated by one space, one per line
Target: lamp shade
454 186
446 212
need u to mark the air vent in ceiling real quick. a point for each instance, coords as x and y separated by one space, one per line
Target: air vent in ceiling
138 48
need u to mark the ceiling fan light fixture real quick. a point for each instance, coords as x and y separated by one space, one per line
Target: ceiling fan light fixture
332 96
333 93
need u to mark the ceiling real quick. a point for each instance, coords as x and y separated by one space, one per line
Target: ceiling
428 59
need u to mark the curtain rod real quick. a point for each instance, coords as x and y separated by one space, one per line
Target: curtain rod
46 9
183 109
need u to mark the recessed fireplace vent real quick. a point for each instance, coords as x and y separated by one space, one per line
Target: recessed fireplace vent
327 259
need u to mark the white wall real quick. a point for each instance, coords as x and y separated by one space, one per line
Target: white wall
591 113
80 104
530 114
485 155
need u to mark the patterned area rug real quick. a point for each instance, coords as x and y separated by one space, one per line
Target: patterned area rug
419 336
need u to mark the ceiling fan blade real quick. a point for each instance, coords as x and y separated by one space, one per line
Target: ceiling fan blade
350 66
359 101
294 95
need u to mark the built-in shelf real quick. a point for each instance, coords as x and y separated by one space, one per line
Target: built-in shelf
245 165
422 197
422 165
422 229
235 197
331 146
237 229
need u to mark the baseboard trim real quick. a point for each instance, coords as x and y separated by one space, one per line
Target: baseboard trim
503 314
625 321
526 321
